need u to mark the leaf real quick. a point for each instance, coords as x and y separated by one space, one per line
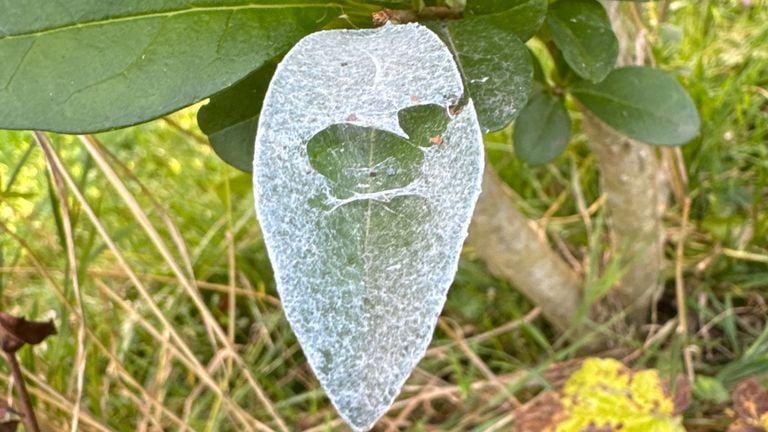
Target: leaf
710 389
9 418
364 190
643 103
582 31
81 66
750 399
15 332
606 396
231 116
542 130
496 67
522 17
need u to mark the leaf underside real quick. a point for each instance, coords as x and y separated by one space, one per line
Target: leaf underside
364 190
496 67
85 65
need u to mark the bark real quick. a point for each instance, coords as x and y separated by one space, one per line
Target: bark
633 183
635 198
629 173
513 250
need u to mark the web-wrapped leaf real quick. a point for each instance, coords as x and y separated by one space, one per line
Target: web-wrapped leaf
365 182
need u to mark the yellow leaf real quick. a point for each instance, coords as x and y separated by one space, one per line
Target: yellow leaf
605 395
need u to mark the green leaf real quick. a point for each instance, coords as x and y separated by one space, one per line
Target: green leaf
643 103
231 117
522 17
359 160
85 65
582 31
364 187
710 389
542 130
496 67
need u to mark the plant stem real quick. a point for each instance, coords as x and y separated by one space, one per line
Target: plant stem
29 419
402 16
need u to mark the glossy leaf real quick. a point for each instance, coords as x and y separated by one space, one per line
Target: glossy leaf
542 130
496 67
522 17
643 103
230 118
85 65
582 31
364 188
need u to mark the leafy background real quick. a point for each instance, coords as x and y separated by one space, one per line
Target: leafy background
488 334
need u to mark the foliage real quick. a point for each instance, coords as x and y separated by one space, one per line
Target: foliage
137 377
174 54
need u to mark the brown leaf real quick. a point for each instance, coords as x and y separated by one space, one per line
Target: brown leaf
593 428
16 331
9 425
682 398
9 418
744 426
540 415
750 400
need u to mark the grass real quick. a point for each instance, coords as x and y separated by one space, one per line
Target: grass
171 304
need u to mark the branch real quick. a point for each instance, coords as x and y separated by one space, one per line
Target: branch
514 251
402 16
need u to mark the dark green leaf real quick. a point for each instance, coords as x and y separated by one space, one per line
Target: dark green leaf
496 68
643 103
582 31
231 117
522 17
85 65
359 160
542 130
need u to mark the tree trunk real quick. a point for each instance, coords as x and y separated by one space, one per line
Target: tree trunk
514 251
636 196
629 177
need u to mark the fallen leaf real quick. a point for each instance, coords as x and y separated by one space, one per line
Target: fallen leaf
9 418
606 396
750 401
542 415
16 331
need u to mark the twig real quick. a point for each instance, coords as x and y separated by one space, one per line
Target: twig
682 311
402 16
29 419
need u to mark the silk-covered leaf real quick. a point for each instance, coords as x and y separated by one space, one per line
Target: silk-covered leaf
522 17
643 103
542 130
85 65
364 186
230 118
496 66
582 31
